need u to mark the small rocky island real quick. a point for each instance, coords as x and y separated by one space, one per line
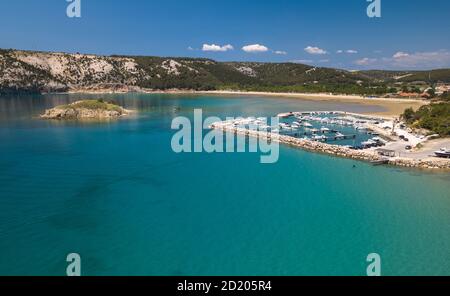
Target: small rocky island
86 109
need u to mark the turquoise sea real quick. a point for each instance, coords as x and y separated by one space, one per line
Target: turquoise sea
115 193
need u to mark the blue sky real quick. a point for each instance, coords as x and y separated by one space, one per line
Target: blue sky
411 34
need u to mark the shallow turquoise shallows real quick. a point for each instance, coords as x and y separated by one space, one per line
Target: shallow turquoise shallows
116 194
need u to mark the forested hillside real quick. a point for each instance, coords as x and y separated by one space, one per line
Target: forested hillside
27 71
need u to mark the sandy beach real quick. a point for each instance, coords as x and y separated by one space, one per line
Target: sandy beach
393 107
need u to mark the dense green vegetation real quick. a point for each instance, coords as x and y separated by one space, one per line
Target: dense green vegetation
93 105
312 88
429 77
162 73
206 74
434 117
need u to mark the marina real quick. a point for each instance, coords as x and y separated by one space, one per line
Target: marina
343 134
339 128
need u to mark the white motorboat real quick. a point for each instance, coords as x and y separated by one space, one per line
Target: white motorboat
319 138
361 128
339 135
445 153
369 143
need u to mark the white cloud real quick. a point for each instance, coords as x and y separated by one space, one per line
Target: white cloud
420 60
365 61
324 61
190 48
216 48
315 50
349 51
410 61
253 48
400 55
281 52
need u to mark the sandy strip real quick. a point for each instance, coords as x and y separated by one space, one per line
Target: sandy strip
393 107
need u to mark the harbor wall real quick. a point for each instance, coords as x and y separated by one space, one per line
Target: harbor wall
336 150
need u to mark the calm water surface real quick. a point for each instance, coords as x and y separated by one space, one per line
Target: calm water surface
115 193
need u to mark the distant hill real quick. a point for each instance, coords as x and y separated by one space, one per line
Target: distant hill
28 71
432 76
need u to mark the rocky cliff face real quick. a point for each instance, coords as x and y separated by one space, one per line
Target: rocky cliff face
28 71
37 71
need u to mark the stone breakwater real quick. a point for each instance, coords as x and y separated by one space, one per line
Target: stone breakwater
335 150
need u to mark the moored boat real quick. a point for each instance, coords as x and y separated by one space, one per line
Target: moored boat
380 161
319 138
339 136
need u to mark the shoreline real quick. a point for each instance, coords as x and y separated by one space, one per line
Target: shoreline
393 107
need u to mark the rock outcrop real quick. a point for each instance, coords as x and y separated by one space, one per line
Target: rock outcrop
88 109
